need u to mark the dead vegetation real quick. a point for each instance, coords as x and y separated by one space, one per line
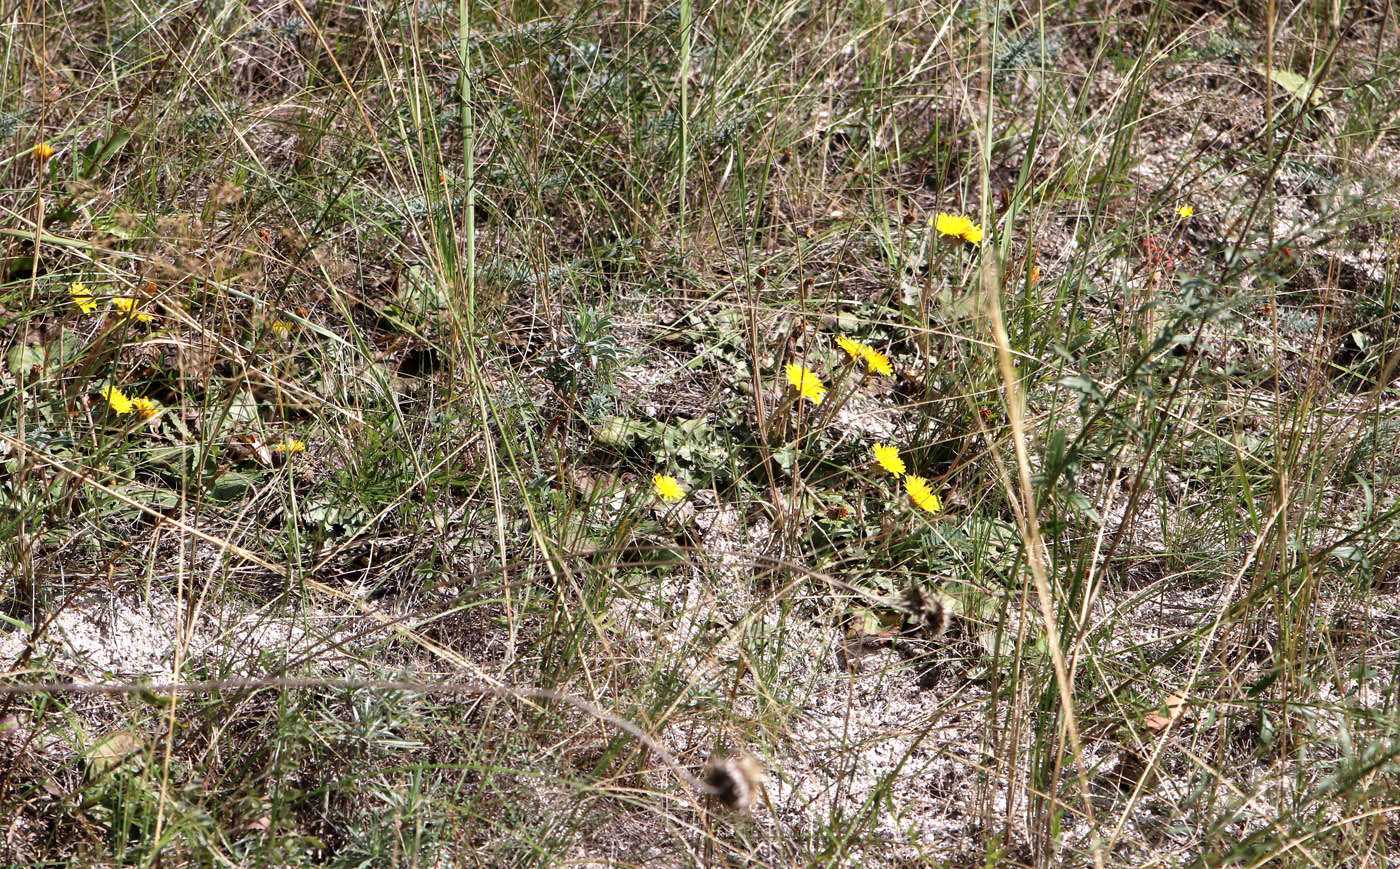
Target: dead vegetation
341 356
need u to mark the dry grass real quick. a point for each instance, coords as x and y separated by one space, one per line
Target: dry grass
384 580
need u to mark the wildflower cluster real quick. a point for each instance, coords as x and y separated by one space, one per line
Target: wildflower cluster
809 385
127 307
918 488
806 384
122 404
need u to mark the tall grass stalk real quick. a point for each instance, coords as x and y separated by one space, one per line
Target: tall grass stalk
683 151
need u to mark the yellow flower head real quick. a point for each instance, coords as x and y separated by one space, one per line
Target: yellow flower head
43 151
290 446
667 488
958 226
853 348
82 298
888 458
126 306
1184 211
920 493
145 407
948 224
117 400
876 361
807 384
281 328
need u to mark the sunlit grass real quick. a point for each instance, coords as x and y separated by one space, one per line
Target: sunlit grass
451 441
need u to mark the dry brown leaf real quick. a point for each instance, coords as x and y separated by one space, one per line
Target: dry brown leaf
1174 706
251 447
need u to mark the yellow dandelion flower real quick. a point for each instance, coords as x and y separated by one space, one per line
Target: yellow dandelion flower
853 348
921 494
807 384
1184 211
958 226
126 306
876 361
117 400
81 297
281 328
43 151
888 458
290 446
145 407
667 488
948 224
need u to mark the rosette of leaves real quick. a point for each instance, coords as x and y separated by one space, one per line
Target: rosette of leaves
581 368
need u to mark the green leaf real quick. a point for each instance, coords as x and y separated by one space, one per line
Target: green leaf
327 513
25 358
870 622
243 407
619 431
997 644
47 358
420 292
1299 87
232 485
1084 386
99 153
1082 504
1295 84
